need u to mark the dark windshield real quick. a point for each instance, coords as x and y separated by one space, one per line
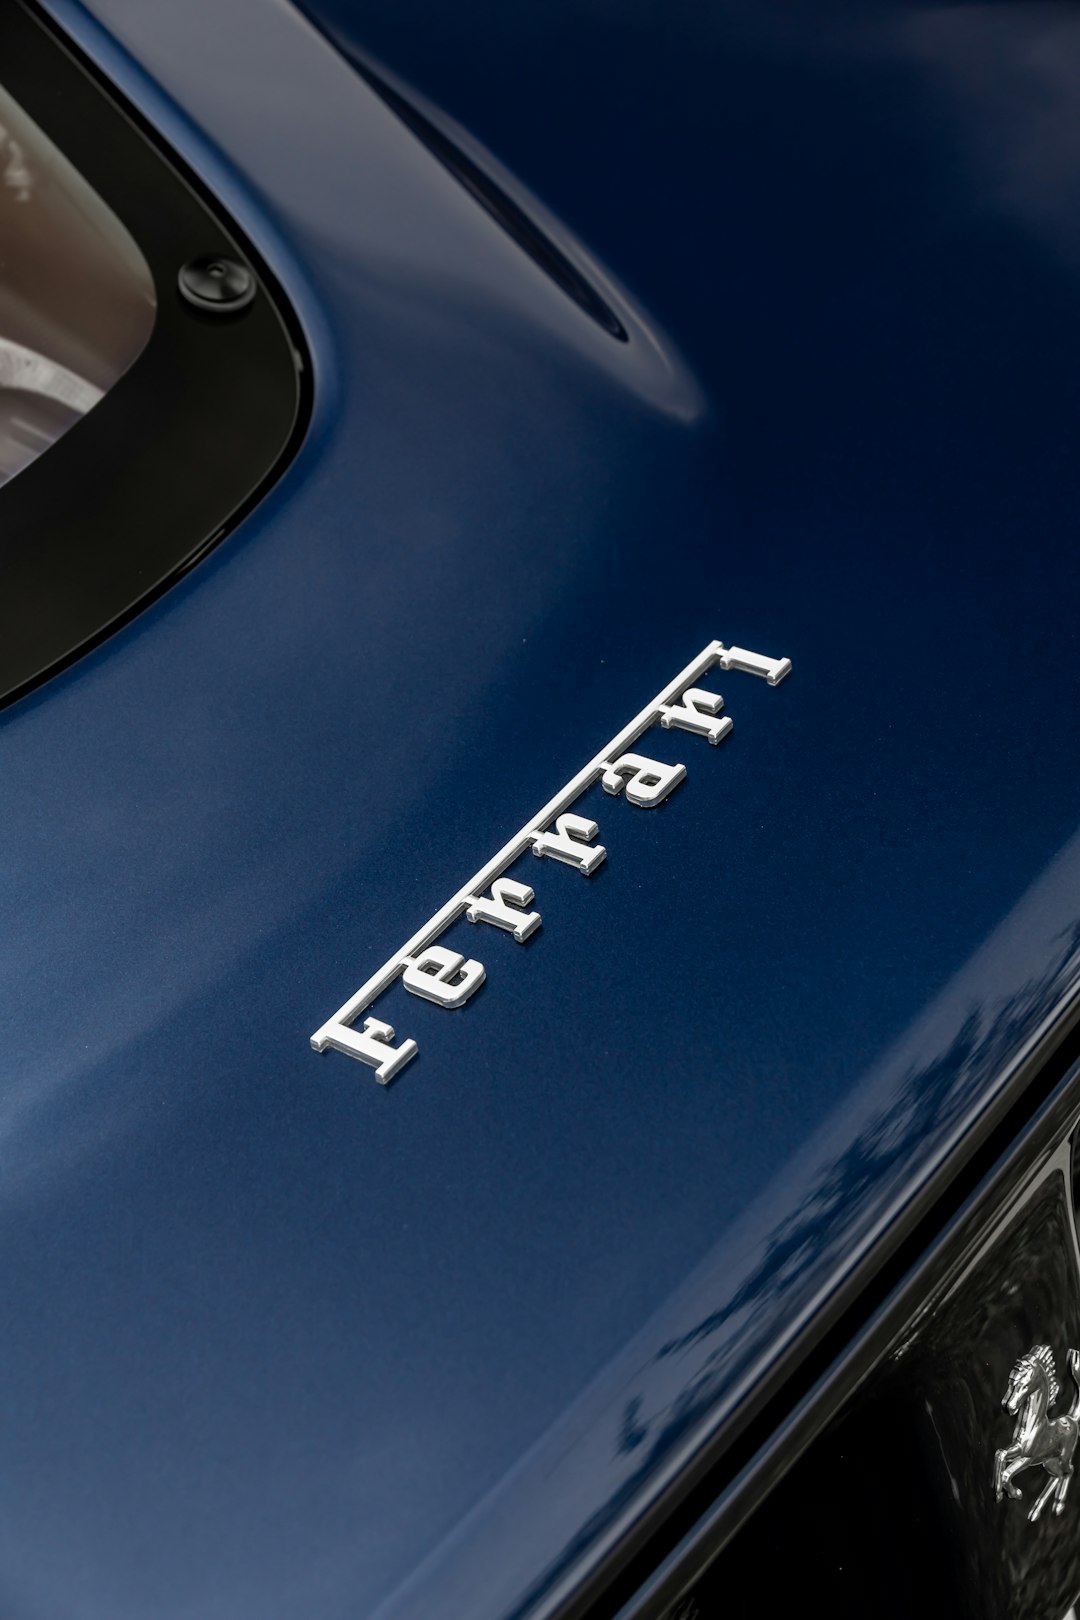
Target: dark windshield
77 299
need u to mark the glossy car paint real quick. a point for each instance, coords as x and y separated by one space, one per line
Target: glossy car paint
279 1342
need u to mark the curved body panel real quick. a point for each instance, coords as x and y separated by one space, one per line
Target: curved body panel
283 1341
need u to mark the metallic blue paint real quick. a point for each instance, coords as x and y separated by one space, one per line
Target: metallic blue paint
278 1342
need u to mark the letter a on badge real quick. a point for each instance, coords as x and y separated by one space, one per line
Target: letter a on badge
646 781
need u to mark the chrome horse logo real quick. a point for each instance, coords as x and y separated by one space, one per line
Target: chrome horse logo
1039 1438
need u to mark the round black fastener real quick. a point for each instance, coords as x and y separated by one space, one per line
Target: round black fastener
216 284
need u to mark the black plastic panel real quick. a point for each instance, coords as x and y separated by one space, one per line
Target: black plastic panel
135 492
892 1510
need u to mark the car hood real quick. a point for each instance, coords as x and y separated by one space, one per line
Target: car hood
627 334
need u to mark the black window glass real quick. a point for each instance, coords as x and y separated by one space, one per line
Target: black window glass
77 300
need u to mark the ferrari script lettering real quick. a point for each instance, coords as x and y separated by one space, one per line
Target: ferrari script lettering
449 979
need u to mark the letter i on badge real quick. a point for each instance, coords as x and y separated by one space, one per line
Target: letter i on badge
752 663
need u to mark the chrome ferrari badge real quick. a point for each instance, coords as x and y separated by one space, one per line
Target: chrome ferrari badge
447 977
1038 1437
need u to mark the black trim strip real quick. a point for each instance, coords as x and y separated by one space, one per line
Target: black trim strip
688 1526
1041 1108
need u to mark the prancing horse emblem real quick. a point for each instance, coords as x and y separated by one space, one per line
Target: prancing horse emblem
1039 1438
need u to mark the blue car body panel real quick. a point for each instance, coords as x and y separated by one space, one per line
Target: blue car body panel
280 1342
